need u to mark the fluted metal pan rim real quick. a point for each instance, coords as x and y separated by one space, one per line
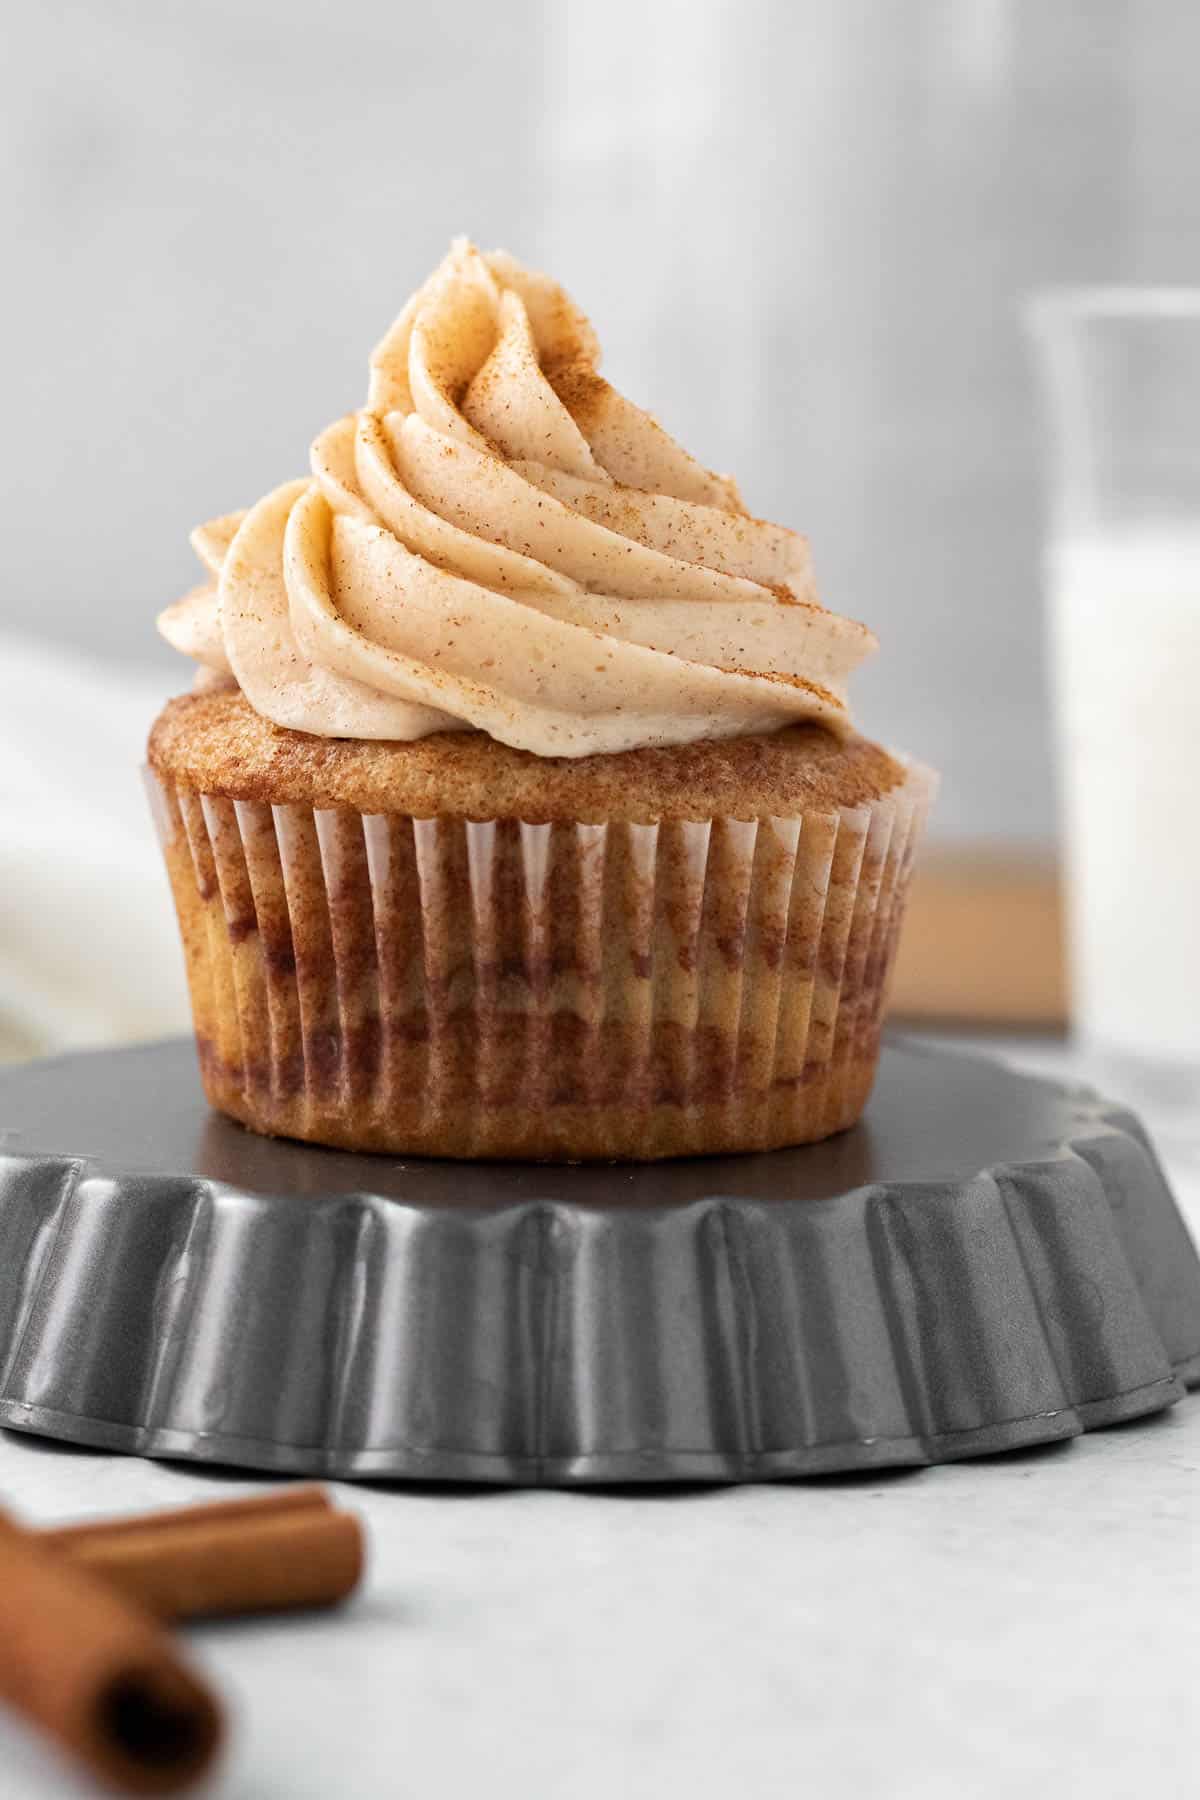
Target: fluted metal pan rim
638 1342
863 1455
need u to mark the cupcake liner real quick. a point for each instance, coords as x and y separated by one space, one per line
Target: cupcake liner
568 990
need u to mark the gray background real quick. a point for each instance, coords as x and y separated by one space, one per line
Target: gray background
803 229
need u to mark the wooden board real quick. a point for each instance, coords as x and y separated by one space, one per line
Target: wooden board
983 941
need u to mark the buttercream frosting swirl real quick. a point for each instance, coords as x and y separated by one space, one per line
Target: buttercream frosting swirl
500 540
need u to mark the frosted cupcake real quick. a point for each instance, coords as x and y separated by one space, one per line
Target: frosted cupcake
517 811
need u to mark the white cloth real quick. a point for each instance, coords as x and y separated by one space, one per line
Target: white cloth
89 952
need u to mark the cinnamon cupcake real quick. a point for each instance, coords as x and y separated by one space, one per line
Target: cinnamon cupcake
517 810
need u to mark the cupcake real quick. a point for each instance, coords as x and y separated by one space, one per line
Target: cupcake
516 809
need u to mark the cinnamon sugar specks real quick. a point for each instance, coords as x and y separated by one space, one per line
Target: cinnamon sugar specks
216 743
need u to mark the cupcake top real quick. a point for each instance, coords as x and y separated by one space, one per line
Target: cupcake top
500 540
215 743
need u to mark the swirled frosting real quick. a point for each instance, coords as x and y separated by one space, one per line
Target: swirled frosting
500 540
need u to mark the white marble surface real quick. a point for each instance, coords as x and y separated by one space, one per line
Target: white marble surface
1030 1622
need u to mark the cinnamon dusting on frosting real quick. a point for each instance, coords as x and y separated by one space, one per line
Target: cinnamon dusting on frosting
493 517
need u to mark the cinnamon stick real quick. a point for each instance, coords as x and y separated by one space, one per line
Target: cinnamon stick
273 1504
311 1558
268 1553
97 1675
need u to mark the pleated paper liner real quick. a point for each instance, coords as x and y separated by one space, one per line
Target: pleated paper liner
497 988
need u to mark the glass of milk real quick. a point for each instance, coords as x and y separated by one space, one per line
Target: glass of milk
1121 375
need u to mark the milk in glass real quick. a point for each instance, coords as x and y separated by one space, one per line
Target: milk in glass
1124 608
